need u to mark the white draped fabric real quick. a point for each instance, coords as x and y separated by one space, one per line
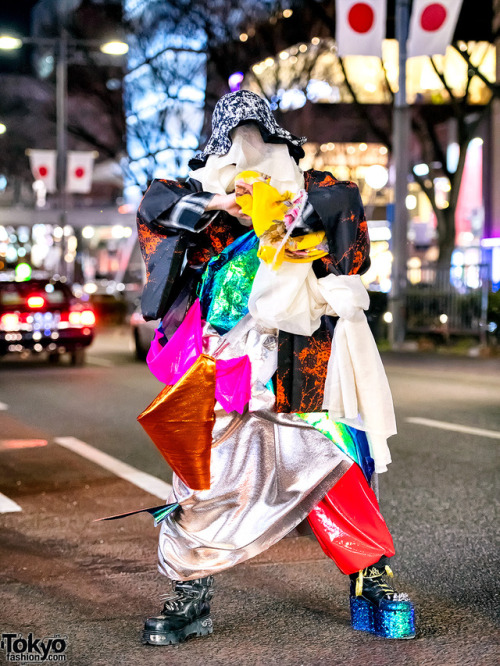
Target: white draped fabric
357 392
249 152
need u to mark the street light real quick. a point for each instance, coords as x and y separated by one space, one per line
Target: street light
9 43
115 47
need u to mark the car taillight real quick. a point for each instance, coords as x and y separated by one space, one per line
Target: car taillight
74 318
36 301
88 318
10 321
81 318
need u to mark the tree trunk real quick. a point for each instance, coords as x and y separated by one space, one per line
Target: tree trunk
446 235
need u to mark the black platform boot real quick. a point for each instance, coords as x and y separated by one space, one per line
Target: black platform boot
185 614
376 607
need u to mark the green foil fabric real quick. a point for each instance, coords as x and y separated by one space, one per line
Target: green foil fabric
340 434
227 282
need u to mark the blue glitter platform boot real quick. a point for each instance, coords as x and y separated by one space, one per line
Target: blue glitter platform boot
377 608
185 614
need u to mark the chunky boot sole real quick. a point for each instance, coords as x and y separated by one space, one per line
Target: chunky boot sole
202 626
398 621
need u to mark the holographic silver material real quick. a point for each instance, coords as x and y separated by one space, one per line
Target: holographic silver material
267 472
394 618
260 344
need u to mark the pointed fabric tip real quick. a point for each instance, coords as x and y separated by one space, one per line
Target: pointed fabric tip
159 513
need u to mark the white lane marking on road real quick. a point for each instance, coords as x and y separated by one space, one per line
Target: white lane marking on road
7 505
93 360
454 427
147 482
3 407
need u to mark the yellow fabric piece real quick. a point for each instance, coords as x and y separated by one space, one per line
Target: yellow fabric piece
268 254
245 202
311 256
307 241
250 176
267 208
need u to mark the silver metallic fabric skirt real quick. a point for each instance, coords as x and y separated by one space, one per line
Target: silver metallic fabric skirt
267 472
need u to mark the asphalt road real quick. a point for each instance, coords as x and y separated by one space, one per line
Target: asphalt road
92 583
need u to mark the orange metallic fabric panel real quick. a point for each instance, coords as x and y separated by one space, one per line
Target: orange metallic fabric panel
180 421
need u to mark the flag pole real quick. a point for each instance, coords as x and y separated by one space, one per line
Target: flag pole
401 134
61 122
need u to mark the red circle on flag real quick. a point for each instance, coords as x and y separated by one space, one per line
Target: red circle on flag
79 172
361 17
433 17
42 171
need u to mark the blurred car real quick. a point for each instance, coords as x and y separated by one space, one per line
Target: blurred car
43 315
142 332
108 301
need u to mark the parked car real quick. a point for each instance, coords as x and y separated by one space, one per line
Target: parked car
142 332
43 315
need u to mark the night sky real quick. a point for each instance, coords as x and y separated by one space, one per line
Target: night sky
16 15
475 16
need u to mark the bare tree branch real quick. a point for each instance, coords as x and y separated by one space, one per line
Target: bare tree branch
386 79
492 85
378 131
443 80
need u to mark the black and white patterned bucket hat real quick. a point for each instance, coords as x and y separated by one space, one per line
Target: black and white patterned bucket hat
241 107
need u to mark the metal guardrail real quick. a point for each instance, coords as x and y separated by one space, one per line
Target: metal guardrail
449 302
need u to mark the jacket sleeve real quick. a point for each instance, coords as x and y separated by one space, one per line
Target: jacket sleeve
339 211
169 204
168 215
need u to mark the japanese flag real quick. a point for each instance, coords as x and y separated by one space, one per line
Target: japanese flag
43 167
79 171
360 27
432 26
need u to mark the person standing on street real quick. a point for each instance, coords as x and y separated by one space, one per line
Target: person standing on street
268 258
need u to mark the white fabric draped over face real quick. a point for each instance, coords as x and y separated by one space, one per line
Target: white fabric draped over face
357 392
249 152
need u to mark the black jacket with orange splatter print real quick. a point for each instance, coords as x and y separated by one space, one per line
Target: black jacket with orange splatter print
176 257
